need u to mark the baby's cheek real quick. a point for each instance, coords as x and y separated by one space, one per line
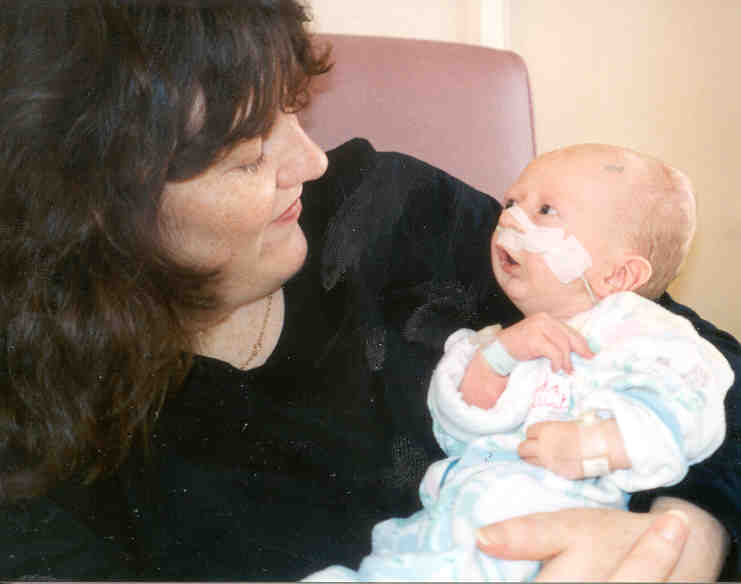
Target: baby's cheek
493 250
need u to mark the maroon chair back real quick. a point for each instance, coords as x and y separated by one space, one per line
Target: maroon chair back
463 108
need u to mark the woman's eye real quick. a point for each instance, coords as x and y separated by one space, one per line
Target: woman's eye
509 203
253 166
548 210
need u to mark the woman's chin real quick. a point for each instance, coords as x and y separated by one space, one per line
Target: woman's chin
286 257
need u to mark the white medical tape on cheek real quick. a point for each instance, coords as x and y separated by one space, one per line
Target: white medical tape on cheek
569 261
566 258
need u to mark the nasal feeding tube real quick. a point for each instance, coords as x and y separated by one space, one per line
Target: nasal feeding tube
565 257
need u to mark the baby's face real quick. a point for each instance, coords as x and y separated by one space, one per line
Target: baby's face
577 192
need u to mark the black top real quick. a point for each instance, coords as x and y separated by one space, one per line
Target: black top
282 470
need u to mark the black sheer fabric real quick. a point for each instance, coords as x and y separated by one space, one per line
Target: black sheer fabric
280 471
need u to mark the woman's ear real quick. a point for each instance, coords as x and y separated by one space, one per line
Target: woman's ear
632 273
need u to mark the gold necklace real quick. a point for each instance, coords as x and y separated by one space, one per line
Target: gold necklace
257 347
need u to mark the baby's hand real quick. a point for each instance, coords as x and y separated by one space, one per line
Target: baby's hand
541 335
481 385
555 446
562 447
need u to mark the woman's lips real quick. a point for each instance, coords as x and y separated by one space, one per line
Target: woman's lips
291 213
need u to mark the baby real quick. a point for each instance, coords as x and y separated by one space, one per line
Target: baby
596 393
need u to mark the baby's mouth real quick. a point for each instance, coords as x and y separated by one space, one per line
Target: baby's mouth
505 258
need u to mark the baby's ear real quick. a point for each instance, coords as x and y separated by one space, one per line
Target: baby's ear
631 274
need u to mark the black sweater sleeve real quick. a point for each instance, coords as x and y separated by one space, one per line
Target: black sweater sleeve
42 539
409 244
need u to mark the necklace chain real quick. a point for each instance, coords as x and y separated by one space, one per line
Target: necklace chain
257 347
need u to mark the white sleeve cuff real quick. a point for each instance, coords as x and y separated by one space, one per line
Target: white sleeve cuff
455 417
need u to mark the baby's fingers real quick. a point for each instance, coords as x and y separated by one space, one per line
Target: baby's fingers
579 344
566 340
535 430
528 450
558 349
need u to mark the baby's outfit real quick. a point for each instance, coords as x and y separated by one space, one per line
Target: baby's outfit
661 381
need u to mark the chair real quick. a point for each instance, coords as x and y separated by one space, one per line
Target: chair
463 108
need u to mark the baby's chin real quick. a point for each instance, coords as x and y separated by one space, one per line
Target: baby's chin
507 284
527 301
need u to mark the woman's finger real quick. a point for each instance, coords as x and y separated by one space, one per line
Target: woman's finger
537 536
591 544
657 551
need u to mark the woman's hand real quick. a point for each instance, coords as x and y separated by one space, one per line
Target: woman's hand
614 545
541 335
656 553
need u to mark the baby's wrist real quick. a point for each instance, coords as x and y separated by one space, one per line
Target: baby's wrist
494 352
601 443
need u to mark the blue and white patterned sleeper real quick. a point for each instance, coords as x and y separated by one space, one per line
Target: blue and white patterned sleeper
664 384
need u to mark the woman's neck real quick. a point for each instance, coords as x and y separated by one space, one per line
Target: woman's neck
247 336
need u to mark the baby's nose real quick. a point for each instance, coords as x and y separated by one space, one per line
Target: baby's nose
506 219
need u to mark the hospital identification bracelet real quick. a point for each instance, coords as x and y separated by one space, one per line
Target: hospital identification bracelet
495 353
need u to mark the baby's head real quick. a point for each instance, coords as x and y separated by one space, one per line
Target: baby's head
632 219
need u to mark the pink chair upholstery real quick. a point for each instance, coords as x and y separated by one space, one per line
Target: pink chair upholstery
463 108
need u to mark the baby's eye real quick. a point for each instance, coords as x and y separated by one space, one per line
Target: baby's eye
509 203
548 210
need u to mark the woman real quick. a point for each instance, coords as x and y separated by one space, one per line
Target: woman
152 176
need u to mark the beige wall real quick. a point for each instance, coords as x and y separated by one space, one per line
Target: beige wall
445 20
659 76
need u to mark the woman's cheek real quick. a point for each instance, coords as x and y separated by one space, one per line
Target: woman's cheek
193 236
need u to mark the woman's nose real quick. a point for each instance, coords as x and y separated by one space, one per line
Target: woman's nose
304 160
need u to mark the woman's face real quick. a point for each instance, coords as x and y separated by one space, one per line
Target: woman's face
240 216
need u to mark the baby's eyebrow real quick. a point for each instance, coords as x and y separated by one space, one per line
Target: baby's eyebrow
613 168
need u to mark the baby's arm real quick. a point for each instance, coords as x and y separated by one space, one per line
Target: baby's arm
665 387
455 422
481 385
536 336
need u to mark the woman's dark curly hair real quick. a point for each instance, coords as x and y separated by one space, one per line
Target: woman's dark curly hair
96 103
